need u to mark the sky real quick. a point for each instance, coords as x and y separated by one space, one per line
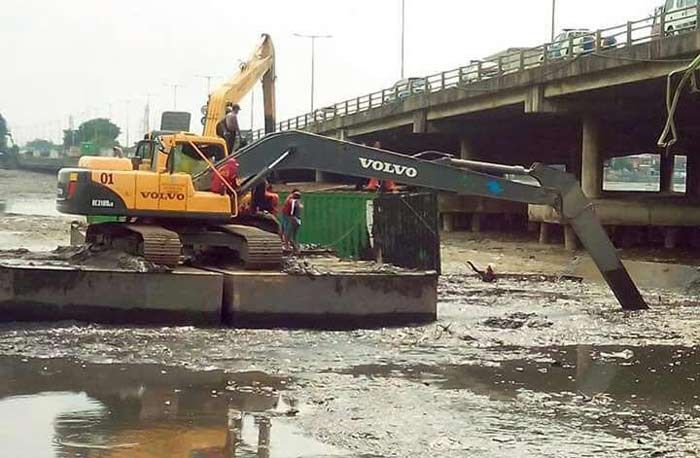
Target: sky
107 58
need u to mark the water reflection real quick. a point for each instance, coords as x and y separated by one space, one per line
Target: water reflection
623 390
57 408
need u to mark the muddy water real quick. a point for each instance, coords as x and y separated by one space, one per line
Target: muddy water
30 219
28 193
66 408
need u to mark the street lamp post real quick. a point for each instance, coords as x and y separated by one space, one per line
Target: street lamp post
175 86
313 39
208 78
128 102
403 37
554 18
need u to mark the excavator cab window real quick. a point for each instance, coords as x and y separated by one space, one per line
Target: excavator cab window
185 159
144 154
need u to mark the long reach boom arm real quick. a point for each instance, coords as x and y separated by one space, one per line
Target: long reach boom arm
560 190
260 65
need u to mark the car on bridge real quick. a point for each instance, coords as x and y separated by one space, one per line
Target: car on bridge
325 114
576 42
680 15
503 62
407 88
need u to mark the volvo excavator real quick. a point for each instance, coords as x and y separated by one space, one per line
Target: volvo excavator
169 213
184 214
153 190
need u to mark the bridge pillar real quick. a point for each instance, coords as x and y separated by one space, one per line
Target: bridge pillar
591 159
420 122
693 175
666 172
466 148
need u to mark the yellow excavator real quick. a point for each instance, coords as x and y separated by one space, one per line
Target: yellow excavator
154 190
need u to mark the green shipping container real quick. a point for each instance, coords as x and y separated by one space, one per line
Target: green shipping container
336 220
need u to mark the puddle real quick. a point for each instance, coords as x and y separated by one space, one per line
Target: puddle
630 392
57 408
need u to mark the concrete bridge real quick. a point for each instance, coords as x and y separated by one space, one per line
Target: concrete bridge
575 103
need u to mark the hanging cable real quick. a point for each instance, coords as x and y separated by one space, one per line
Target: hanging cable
672 98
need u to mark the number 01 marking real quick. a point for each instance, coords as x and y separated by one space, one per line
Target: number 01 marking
106 178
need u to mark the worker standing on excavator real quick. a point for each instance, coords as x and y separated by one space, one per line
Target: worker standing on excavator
229 129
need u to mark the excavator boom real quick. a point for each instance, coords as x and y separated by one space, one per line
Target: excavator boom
260 65
300 150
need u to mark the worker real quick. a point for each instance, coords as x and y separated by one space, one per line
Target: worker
272 199
117 152
291 221
375 184
487 276
232 130
226 180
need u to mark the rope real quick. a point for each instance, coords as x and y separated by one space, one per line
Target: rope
234 211
420 218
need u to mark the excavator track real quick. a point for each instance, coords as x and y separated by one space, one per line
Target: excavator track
156 244
260 249
159 245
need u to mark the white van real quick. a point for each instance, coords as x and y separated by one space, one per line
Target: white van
681 15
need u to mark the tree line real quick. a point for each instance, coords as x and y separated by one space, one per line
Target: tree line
99 132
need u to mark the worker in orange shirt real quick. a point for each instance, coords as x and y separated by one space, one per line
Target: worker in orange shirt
226 180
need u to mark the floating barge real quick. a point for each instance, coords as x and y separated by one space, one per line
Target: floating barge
329 294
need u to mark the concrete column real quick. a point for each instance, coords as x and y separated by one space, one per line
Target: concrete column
448 222
466 148
670 238
666 172
544 233
570 238
591 159
420 122
693 176
476 223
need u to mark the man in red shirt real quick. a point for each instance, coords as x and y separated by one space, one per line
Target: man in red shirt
225 179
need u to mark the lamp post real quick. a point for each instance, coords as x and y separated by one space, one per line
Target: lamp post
403 38
128 103
208 78
175 86
554 19
313 39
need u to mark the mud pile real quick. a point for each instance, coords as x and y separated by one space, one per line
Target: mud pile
328 265
79 257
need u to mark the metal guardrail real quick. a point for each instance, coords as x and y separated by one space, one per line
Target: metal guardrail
658 26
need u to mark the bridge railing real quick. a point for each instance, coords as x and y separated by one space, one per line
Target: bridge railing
659 26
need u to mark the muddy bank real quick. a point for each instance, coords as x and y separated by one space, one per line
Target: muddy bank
33 232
